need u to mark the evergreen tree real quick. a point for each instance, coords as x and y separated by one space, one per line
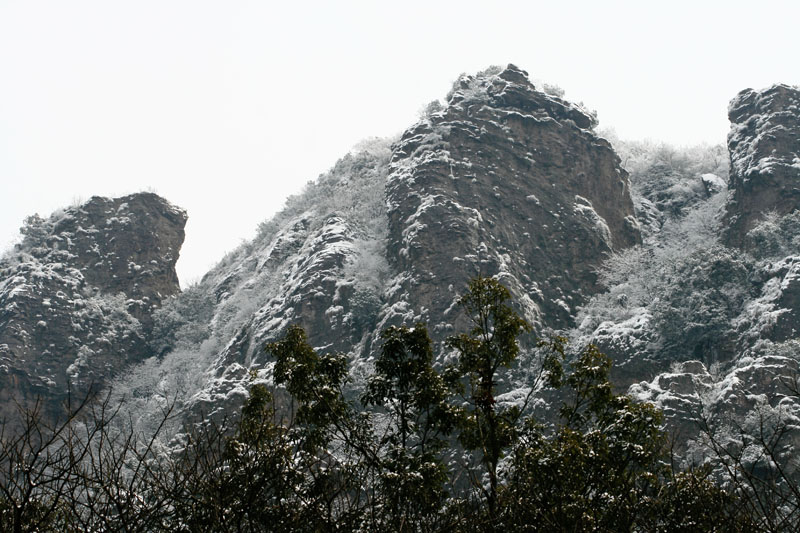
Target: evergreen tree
415 397
491 344
241 482
333 443
313 460
605 465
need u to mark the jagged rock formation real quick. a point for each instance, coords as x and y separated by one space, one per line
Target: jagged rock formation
77 295
765 157
759 355
706 330
501 180
505 180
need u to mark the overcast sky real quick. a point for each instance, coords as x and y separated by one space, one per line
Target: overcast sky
227 107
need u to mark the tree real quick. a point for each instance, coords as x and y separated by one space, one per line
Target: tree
415 397
245 481
314 382
757 458
36 470
35 231
491 344
116 473
332 443
695 309
604 466
301 456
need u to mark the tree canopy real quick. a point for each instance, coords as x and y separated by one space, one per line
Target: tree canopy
423 448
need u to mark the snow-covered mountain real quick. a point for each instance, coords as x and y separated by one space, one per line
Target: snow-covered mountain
686 275
703 318
77 296
501 180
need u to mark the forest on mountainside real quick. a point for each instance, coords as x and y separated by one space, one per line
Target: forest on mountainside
503 319
421 450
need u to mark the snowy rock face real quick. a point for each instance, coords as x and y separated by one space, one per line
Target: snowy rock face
509 181
77 295
501 180
320 263
703 319
764 145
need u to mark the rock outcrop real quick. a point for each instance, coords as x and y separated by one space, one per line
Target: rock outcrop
711 331
77 296
504 180
501 180
764 146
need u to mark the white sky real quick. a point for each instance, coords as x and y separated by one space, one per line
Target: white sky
227 107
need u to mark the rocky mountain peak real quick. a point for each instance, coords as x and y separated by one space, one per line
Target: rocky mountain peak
77 294
135 248
505 180
765 160
510 88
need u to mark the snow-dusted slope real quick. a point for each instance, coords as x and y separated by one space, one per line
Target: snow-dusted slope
320 263
702 329
501 180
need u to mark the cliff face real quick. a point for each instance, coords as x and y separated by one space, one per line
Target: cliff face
764 146
77 296
500 180
705 320
126 245
509 181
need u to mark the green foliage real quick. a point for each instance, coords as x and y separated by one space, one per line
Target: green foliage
35 231
412 474
604 466
303 457
364 306
490 345
331 440
245 481
595 467
413 393
691 501
314 381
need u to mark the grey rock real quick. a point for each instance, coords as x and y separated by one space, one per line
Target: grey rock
77 296
764 146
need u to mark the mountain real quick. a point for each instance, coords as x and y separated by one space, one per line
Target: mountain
78 293
502 180
702 319
679 265
765 158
